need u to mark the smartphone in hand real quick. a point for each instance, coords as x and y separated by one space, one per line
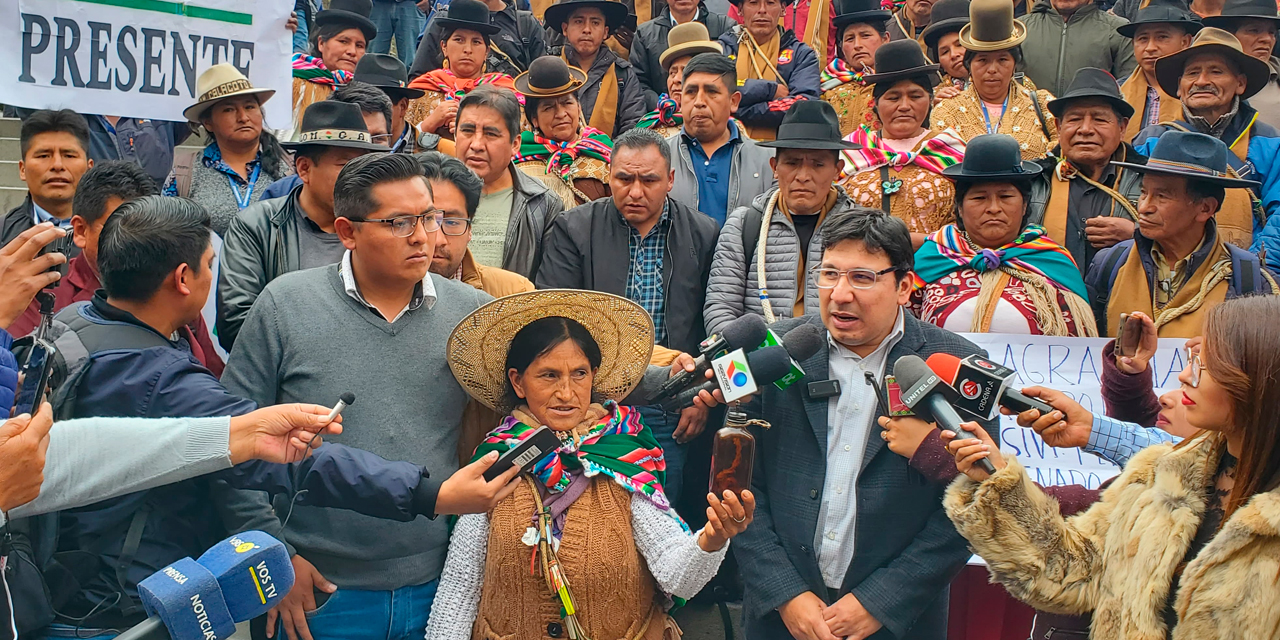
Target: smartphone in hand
525 455
1128 335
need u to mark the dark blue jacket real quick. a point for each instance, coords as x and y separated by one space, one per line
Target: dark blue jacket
800 72
281 188
8 371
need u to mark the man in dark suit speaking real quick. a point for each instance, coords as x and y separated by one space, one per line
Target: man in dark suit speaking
848 541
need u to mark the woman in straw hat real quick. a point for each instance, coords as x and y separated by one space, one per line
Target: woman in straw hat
995 102
465 44
571 158
898 167
860 32
338 42
607 548
240 158
684 41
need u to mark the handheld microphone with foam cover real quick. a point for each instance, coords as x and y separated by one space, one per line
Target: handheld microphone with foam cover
745 332
186 598
983 386
930 398
766 365
801 343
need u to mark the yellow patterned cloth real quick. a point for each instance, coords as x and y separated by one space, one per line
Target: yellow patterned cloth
924 200
587 180
853 105
420 108
963 114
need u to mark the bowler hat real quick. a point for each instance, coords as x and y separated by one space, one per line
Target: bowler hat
1091 82
1213 40
550 77
350 12
615 13
899 60
386 72
688 39
219 82
1234 10
850 11
1194 156
946 17
992 27
331 123
992 157
811 124
467 14
1174 12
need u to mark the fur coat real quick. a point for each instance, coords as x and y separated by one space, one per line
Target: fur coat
1117 559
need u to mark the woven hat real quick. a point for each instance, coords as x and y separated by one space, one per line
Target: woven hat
550 77
331 123
1233 10
899 60
851 11
350 12
1091 82
1174 12
810 124
946 17
1194 156
992 157
992 27
467 14
386 72
218 82
477 348
1213 40
688 39
615 13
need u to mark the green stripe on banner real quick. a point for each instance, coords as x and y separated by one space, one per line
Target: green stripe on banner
179 9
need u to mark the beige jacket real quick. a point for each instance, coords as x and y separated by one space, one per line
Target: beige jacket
1117 559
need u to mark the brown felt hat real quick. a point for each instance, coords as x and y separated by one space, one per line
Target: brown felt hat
1213 40
550 77
992 27
688 39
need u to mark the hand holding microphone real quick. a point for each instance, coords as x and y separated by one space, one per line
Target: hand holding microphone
746 332
930 398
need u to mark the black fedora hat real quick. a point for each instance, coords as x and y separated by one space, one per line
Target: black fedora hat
330 123
902 59
992 157
945 17
1213 40
811 124
467 14
1091 82
615 13
350 12
850 11
1174 12
550 77
1233 10
386 72
1194 156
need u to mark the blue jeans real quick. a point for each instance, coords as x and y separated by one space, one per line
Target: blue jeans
663 425
400 19
358 614
58 630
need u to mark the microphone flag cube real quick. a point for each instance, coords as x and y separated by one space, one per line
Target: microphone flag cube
796 374
186 596
253 570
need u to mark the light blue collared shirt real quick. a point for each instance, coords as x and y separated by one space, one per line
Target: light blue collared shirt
1117 441
40 215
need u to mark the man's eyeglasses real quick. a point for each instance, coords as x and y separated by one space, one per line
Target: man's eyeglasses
403 226
382 139
858 278
453 226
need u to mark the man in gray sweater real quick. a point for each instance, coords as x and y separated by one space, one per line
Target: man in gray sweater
374 325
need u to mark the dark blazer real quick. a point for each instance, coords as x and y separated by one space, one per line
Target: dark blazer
586 248
651 41
907 550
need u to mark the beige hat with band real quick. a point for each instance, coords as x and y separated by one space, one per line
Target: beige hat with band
219 82
992 27
688 39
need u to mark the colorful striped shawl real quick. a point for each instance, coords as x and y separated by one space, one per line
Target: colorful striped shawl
312 69
560 155
666 115
937 153
837 73
1033 251
619 446
443 81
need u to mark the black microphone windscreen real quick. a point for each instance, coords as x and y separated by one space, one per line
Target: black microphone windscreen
348 398
769 365
803 341
909 370
745 332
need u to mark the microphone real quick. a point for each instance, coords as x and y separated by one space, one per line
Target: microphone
930 398
736 378
345 400
801 343
236 580
982 386
745 332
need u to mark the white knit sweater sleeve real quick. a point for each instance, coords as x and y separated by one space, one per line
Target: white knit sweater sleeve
458 597
679 565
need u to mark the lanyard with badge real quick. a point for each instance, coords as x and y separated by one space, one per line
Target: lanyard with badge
243 200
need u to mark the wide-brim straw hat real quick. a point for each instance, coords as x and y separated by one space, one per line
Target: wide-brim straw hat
219 82
477 347
992 27
688 39
550 77
1213 40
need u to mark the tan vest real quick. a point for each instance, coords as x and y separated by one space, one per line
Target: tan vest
1184 316
611 584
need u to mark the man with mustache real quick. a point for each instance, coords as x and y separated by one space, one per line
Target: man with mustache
1254 23
1214 78
54 146
1161 28
775 68
1066 35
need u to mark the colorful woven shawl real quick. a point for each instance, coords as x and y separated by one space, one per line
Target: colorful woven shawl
838 73
443 81
937 153
619 446
312 69
1031 251
666 115
560 155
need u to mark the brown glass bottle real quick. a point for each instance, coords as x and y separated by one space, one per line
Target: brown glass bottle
733 453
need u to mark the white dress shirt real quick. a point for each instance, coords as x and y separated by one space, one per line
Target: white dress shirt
424 293
850 420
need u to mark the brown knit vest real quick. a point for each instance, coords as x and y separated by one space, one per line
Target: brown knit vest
611 584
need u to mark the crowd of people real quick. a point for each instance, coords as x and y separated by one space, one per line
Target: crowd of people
527 216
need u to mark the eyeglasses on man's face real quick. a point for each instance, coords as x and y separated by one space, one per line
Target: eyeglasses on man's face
860 278
403 226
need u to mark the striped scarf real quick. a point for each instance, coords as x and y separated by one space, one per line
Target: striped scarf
666 115
312 69
618 446
937 153
560 155
1032 251
838 73
455 88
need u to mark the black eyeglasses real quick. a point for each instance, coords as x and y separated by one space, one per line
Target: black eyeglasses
453 226
403 226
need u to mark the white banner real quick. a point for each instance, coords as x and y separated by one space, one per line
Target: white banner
139 58
1073 366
